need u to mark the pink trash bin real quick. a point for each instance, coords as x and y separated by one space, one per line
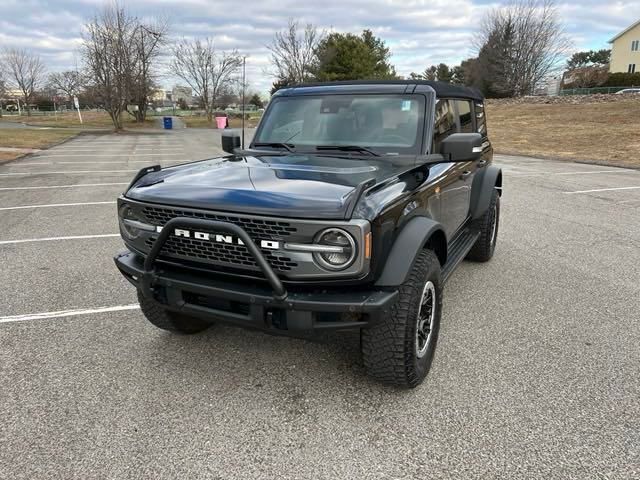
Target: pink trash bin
221 122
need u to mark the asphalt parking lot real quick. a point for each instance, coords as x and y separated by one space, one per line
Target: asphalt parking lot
537 373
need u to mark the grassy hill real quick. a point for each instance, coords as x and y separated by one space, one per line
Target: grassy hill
598 129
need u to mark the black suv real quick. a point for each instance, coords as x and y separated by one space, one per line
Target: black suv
350 208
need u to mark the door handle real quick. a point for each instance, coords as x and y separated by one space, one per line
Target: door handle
465 175
482 163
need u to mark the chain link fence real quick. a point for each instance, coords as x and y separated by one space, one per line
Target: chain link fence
594 90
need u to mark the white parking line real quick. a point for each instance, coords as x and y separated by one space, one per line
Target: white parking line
21 207
77 185
121 143
604 189
92 149
110 155
65 173
619 170
13 165
67 313
149 162
53 239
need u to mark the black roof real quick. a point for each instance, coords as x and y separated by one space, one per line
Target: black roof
442 89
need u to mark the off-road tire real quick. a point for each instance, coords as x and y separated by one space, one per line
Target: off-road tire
389 346
170 321
485 245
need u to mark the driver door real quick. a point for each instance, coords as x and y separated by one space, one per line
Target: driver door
456 178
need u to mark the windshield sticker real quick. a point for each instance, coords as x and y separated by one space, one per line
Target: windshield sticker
406 105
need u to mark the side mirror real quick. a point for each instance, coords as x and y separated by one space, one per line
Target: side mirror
462 147
230 140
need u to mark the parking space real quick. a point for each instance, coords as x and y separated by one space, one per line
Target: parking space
536 374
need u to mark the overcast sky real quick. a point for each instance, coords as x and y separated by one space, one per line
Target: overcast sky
419 32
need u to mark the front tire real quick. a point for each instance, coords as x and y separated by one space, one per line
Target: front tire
399 349
168 320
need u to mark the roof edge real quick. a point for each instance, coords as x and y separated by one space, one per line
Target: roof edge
624 31
442 89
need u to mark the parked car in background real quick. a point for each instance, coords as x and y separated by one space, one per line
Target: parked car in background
628 91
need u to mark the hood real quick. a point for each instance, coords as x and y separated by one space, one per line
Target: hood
301 186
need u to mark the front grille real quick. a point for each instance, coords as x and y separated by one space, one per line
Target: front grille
255 227
225 254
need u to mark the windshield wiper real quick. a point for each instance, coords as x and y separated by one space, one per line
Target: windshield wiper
348 148
287 146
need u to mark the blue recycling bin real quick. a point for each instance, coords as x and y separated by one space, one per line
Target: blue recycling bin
168 123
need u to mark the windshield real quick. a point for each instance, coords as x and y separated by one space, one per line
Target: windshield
384 124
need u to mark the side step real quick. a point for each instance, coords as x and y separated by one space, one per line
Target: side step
458 249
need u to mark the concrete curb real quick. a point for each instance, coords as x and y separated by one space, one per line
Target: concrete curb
583 161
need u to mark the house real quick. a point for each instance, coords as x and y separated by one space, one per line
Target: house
158 95
181 93
625 50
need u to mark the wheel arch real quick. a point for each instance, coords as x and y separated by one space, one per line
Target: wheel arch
419 233
484 183
437 242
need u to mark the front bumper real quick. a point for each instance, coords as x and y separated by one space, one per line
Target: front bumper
253 305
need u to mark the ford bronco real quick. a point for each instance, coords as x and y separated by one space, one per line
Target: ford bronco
349 209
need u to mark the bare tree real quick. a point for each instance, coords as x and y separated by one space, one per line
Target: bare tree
26 72
3 89
520 44
109 58
148 41
293 52
208 72
68 83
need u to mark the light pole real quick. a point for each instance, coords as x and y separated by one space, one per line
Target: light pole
244 63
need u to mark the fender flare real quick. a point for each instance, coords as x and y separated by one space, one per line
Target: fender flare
482 189
406 247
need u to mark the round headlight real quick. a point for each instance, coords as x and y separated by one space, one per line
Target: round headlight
341 249
127 228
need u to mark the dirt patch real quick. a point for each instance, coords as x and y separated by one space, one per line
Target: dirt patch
7 156
591 128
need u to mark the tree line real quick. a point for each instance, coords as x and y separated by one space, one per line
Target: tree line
120 69
517 46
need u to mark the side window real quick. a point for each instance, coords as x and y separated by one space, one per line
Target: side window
481 120
466 119
445 123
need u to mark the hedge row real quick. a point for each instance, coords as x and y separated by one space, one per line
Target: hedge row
623 80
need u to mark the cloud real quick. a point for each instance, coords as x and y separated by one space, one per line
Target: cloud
418 32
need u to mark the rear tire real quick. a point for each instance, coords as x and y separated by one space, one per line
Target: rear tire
168 320
399 349
488 224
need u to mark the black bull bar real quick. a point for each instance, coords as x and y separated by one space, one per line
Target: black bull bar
149 273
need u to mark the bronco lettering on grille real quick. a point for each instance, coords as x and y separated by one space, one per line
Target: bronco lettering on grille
218 238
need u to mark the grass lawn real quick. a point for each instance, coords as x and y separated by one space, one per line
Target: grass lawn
70 119
28 138
600 132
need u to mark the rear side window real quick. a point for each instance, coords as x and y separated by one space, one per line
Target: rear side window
464 113
445 122
481 121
